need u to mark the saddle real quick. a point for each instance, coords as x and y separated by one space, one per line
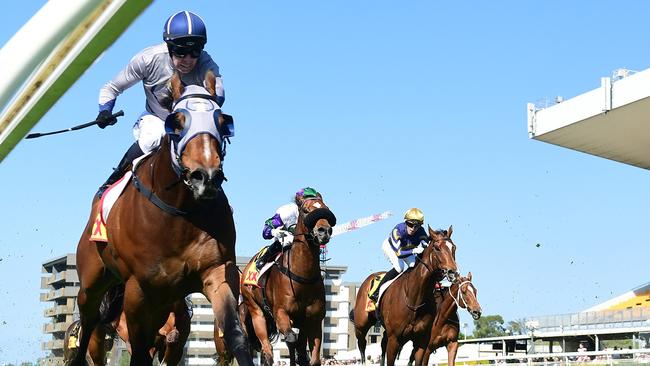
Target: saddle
374 287
251 276
108 199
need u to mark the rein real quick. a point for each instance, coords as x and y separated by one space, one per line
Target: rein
417 258
152 197
287 272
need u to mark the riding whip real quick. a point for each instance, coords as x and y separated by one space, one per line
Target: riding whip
91 123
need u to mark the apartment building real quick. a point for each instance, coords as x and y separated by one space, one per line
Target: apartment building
59 285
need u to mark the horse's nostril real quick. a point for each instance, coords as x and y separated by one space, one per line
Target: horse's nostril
329 231
197 175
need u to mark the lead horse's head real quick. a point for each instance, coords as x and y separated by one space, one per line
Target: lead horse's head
196 127
441 253
315 220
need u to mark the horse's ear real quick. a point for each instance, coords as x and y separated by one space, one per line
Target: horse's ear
469 276
432 233
450 230
210 83
177 86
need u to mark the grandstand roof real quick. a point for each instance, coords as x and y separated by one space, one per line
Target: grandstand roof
610 121
637 297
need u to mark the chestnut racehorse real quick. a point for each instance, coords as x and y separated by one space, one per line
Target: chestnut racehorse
171 233
405 306
446 326
292 293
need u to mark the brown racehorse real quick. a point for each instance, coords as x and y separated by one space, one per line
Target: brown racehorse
403 306
446 326
171 233
169 342
292 293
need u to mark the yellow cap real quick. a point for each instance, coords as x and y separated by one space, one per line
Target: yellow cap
414 214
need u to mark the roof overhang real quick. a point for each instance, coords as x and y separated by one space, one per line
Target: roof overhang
612 122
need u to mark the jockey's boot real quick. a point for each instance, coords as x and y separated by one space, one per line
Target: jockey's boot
387 277
131 154
273 249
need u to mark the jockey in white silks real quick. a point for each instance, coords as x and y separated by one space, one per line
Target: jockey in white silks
185 36
281 226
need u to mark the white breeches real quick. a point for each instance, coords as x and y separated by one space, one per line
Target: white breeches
400 264
148 131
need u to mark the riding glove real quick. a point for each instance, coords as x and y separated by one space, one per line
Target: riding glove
105 118
279 233
418 250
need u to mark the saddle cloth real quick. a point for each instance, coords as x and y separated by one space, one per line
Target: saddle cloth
107 201
370 305
251 275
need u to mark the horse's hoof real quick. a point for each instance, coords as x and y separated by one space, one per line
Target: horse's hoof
172 337
290 337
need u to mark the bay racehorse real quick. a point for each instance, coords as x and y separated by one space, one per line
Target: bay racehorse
405 306
170 233
169 343
446 325
292 293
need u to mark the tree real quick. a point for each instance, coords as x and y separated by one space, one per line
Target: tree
489 326
516 327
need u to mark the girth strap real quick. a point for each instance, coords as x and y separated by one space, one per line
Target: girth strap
308 281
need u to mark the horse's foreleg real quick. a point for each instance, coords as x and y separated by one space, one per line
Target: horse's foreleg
427 353
301 349
96 346
361 327
392 348
283 323
94 283
260 327
141 319
412 357
315 335
418 354
384 345
452 350
221 287
174 346
361 343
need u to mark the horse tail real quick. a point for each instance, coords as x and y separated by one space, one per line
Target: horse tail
112 304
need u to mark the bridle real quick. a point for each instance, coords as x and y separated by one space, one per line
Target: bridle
459 297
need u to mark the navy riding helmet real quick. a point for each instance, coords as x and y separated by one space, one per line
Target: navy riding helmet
185 29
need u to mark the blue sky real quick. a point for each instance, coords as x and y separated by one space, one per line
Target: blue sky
380 106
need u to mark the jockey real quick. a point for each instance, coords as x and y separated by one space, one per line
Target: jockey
281 226
184 35
406 240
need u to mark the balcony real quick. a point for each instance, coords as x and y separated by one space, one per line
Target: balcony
58 310
52 345
55 327
60 293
